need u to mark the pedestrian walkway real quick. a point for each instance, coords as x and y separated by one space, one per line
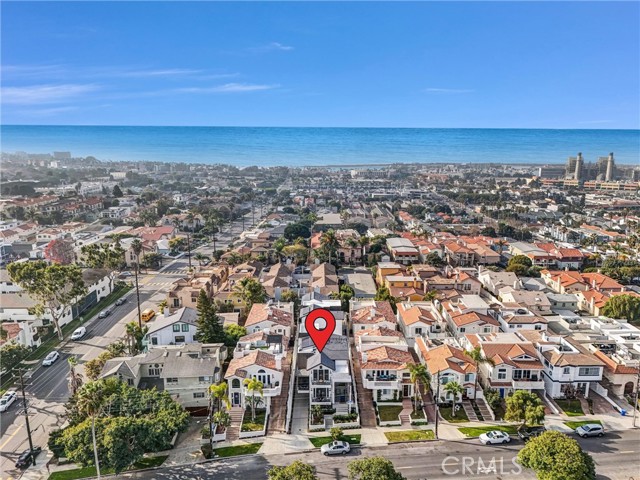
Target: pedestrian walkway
365 397
278 408
468 409
233 431
405 414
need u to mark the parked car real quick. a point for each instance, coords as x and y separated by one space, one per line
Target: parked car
26 458
528 433
494 436
50 359
335 448
590 430
7 399
125 275
105 313
121 301
78 333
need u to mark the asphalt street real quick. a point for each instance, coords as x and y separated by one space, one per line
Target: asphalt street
47 387
616 458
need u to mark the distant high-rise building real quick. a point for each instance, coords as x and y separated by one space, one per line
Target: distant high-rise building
579 167
571 167
610 173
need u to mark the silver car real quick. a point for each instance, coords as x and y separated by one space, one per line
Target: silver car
590 430
335 448
7 399
50 359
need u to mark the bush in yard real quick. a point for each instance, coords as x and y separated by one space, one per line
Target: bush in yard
525 407
555 456
336 433
350 417
296 471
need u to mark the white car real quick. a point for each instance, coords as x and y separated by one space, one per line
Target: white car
78 333
590 430
50 359
494 436
7 399
335 448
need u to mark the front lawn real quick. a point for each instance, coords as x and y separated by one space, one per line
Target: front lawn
410 436
477 431
88 472
256 425
319 441
418 414
461 415
389 413
248 449
571 408
574 425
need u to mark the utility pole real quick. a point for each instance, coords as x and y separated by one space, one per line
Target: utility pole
26 416
436 401
138 291
253 213
635 402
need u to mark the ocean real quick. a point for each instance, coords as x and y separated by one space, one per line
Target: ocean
267 146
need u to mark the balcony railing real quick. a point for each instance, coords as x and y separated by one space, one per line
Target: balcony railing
386 384
267 391
528 384
320 381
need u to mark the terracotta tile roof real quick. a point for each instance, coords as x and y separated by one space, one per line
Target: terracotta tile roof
378 332
446 357
559 359
462 319
507 353
380 312
386 358
614 367
237 366
12 329
261 312
415 314
403 292
601 281
599 298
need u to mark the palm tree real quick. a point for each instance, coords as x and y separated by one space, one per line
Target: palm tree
501 244
75 379
89 403
250 291
200 258
254 386
478 358
130 335
329 242
430 296
418 374
219 393
455 389
136 246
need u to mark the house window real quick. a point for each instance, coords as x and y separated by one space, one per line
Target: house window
130 382
176 327
176 302
179 339
467 377
566 370
235 383
538 327
462 329
198 394
418 331
155 370
502 374
512 326
154 340
185 327
588 371
486 330
203 379
172 380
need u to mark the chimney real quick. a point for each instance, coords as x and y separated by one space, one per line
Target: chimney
278 362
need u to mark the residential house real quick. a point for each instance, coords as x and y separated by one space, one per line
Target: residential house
405 287
175 328
420 319
458 255
370 313
259 364
536 302
185 372
513 317
403 251
495 281
277 318
385 371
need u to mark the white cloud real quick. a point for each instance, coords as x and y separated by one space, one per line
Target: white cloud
448 90
272 47
39 94
594 122
228 88
169 72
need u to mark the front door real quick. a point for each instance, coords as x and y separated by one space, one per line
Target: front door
236 399
406 390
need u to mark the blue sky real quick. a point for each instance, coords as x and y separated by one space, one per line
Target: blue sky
455 64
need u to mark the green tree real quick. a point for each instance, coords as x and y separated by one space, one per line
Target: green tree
55 288
106 256
519 269
434 260
296 471
200 258
219 395
329 243
418 374
136 246
520 260
455 389
11 354
478 359
292 296
134 335
250 291
117 192
525 407
430 296
555 456
232 333
336 433
623 306
345 294
209 325
295 230
255 387
93 367
89 402
373 468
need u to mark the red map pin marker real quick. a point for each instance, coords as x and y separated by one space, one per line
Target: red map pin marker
320 336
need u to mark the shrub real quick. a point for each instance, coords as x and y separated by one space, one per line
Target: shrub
336 433
351 417
207 451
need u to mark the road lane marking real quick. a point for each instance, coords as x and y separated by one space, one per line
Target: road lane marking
10 437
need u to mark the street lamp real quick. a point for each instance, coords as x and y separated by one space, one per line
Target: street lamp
26 412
